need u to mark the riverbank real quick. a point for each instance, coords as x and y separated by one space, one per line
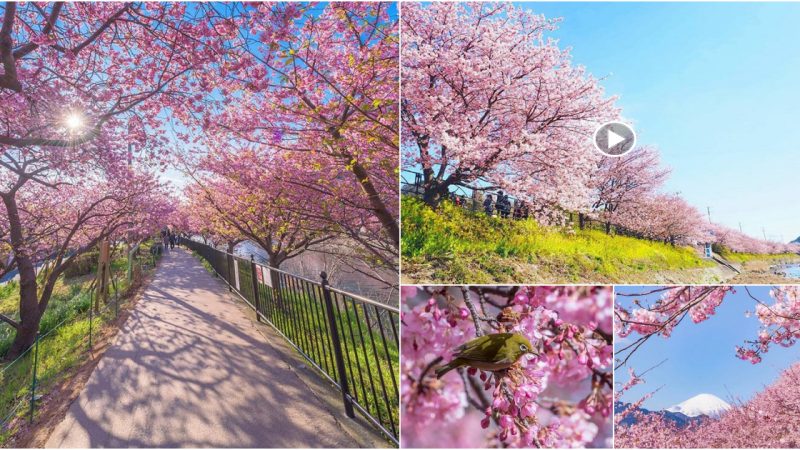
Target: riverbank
764 272
451 246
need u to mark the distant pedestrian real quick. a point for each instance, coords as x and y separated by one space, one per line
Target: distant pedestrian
165 238
487 205
172 239
502 205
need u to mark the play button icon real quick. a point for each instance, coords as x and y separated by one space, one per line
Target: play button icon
614 138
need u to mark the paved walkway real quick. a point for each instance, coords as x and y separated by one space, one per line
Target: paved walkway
189 369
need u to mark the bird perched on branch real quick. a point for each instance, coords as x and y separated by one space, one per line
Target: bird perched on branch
492 352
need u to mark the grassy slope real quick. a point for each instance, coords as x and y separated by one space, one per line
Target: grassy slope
62 347
747 257
454 246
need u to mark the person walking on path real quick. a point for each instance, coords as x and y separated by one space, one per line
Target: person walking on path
165 238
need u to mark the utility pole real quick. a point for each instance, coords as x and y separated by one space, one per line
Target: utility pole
740 227
709 213
764 232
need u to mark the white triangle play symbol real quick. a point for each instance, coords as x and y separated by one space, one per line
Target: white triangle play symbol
614 138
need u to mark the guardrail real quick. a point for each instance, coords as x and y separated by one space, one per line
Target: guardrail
351 340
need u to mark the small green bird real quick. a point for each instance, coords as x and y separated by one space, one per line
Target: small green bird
491 352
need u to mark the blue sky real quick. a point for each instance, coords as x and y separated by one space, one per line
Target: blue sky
714 87
700 358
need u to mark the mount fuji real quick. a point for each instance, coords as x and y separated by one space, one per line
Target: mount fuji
701 405
697 409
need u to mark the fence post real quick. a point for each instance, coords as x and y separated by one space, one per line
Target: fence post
91 308
255 287
337 347
228 259
33 382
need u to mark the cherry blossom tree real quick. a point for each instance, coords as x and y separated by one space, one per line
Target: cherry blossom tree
79 81
624 180
779 316
741 427
663 217
768 420
239 196
736 241
558 398
321 96
490 102
487 96
54 226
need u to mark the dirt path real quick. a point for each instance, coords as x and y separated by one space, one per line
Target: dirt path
188 369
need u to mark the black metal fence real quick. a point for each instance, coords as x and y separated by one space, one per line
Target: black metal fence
468 197
353 341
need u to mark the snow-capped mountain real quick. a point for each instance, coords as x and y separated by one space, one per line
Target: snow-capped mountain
681 420
702 405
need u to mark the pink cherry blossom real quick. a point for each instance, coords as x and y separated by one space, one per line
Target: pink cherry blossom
559 396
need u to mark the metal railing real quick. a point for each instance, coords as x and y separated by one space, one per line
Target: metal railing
351 340
467 196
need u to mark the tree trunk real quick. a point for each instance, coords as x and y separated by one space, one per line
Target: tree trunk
608 227
581 221
434 193
26 335
29 313
381 211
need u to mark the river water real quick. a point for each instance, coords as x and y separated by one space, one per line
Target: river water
310 263
790 270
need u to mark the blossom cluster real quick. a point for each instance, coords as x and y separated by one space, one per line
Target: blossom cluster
430 333
780 323
558 396
779 316
698 302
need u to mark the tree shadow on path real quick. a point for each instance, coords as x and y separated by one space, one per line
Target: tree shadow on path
188 369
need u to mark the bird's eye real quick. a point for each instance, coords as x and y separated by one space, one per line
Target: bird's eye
523 347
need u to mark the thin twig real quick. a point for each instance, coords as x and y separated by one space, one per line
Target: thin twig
472 311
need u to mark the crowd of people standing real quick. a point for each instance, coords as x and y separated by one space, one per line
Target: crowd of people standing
499 205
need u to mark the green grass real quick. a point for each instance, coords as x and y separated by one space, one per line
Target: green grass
471 247
64 328
746 257
206 265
